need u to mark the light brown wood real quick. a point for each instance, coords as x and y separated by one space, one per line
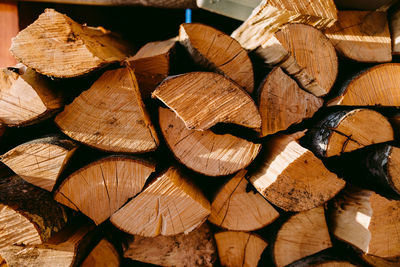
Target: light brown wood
151 64
203 99
219 52
377 86
304 234
238 249
362 36
380 262
335 263
270 15
204 151
40 161
102 187
237 209
26 97
170 205
9 28
282 103
110 115
57 46
196 248
103 255
291 177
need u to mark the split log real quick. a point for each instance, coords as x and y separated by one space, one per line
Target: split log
26 97
377 86
395 30
362 36
239 248
367 221
218 52
103 255
170 205
102 187
9 26
270 15
282 103
291 177
304 234
202 99
348 130
197 248
28 215
40 161
152 64
204 151
110 115
237 209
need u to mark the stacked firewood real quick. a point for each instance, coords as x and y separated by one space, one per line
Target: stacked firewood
176 155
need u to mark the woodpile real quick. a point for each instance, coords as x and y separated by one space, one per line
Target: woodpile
273 146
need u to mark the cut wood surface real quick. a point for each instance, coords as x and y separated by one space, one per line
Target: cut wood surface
170 205
102 187
362 36
381 262
304 234
348 130
237 209
282 103
26 97
367 221
239 248
377 86
395 30
151 64
40 161
110 115
204 151
291 177
28 215
57 46
103 255
196 248
202 99
270 15
219 52
9 26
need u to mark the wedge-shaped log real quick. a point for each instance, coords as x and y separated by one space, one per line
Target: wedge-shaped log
348 130
202 99
40 161
204 151
218 52
291 177
282 103
57 46
170 205
104 254
304 234
110 115
197 248
102 187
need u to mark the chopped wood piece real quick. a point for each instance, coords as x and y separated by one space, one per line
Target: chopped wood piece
348 130
239 248
362 36
28 215
377 86
152 64
102 187
270 15
202 99
367 221
395 30
291 177
197 248
9 25
57 46
219 52
304 234
110 115
103 255
170 205
26 97
40 161
381 262
204 151
282 103
237 209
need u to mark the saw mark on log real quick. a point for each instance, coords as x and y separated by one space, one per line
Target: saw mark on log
179 215
106 187
211 45
172 222
177 143
70 201
209 154
244 250
229 202
347 140
229 60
